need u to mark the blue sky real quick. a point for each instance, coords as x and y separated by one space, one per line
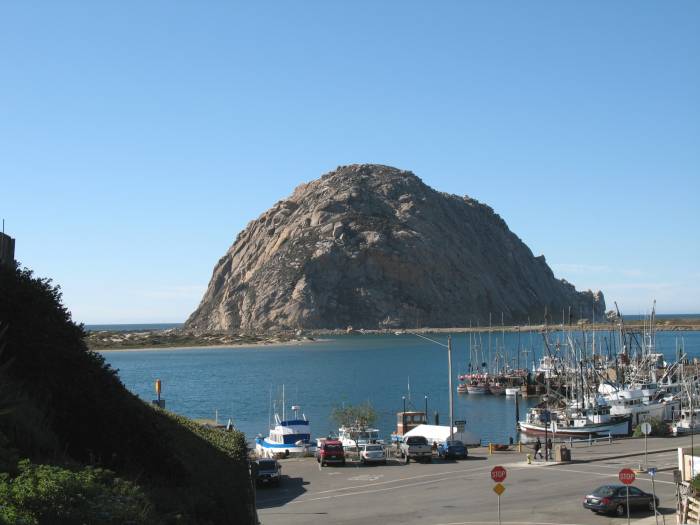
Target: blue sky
138 138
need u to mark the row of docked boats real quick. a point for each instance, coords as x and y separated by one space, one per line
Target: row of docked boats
611 395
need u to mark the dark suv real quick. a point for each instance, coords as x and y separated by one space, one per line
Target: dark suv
268 471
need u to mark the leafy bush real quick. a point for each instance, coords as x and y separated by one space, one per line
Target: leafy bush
658 428
48 494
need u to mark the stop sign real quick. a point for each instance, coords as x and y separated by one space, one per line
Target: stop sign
498 474
626 476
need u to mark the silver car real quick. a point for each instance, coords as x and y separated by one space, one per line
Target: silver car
372 453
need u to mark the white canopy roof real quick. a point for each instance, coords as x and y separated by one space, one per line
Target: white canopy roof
439 434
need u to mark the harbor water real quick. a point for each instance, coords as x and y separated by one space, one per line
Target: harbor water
245 383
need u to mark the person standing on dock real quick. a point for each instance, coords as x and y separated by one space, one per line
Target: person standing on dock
538 447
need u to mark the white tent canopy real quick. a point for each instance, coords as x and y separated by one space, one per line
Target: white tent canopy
440 434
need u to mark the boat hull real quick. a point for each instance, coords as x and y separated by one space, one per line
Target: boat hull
512 391
616 428
477 389
265 448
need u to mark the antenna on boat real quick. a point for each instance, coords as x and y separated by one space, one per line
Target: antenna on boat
409 390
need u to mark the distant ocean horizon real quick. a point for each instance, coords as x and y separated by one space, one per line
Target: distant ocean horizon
131 327
135 327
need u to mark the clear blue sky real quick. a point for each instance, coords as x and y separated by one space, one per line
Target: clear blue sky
138 138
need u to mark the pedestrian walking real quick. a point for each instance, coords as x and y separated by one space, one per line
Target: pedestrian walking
549 448
538 447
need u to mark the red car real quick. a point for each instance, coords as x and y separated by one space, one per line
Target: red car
330 451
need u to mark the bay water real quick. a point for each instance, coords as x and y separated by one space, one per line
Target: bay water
245 383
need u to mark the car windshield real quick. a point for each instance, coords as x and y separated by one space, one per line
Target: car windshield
416 440
267 465
333 448
373 447
605 490
455 444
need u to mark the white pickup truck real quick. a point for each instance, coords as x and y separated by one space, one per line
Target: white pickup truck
416 448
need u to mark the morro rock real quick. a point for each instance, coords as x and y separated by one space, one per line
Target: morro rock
372 246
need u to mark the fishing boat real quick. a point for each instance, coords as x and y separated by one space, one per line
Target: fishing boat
512 391
352 437
477 388
593 421
289 437
497 389
462 388
687 422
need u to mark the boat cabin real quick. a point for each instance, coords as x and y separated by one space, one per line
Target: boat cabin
407 421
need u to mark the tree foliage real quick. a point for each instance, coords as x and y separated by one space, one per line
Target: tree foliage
355 416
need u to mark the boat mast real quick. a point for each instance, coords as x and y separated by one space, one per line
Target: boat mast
284 406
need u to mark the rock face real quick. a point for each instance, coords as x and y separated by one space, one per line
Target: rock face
371 246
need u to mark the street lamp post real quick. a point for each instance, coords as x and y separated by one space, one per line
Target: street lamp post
426 409
449 384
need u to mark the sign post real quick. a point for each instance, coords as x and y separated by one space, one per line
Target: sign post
460 426
652 474
498 474
627 477
646 430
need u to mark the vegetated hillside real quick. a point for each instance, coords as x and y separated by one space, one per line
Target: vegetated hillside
61 405
372 246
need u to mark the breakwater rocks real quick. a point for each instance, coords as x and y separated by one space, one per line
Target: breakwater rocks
373 247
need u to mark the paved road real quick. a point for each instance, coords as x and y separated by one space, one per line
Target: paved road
460 492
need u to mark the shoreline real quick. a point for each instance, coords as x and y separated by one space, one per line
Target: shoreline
176 339
230 346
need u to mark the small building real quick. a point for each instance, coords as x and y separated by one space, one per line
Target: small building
7 250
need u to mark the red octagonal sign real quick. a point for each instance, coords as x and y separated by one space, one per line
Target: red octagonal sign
498 474
626 476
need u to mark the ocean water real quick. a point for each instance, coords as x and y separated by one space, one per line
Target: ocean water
138 327
240 382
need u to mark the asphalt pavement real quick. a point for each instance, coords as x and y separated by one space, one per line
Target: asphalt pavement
461 492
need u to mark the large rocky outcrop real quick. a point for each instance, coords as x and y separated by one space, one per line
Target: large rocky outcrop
372 246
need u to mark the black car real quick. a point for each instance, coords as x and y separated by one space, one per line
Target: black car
613 498
267 471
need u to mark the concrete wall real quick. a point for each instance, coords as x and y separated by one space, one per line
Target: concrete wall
7 249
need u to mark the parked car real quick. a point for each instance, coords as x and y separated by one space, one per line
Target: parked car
452 449
613 499
417 448
372 453
330 451
268 471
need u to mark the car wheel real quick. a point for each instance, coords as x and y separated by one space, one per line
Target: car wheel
362 460
620 510
343 463
406 459
323 463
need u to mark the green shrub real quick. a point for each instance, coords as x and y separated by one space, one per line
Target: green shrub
45 494
658 428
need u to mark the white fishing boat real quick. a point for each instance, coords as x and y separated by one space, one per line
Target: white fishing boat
688 421
593 421
352 437
512 391
289 437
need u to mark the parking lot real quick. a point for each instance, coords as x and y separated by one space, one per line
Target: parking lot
461 492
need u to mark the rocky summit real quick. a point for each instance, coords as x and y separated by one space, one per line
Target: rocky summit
372 246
